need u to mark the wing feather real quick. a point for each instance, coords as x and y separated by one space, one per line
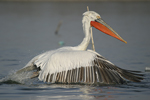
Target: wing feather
81 66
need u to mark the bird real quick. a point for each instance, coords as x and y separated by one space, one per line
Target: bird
79 65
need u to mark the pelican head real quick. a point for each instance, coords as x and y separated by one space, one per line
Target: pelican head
97 22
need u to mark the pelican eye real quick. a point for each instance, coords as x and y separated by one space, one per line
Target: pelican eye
98 17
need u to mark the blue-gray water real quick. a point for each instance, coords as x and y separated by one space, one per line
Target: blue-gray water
28 29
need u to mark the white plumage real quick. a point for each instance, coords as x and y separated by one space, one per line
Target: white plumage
76 64
63 60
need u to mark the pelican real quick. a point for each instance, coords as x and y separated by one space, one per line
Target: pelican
79 65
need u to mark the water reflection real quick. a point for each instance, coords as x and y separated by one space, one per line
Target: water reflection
99 92
59 91
77 92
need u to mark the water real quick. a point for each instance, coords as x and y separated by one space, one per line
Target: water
28 29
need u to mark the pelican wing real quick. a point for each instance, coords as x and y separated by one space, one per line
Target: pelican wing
62 61
82 66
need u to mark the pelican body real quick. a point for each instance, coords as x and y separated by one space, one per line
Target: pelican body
79 65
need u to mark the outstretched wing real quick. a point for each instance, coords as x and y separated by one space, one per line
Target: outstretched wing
82 66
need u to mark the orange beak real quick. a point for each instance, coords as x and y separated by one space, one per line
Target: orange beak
102 26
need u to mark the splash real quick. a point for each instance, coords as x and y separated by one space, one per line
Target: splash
14 78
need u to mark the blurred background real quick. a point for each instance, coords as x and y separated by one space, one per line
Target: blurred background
76 0
28 28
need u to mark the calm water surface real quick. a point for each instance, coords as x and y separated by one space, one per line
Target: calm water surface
28 29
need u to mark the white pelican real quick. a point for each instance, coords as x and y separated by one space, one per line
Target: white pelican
78 65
